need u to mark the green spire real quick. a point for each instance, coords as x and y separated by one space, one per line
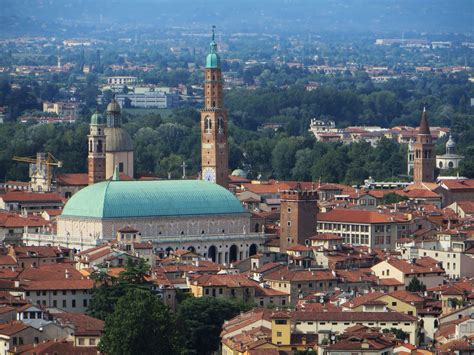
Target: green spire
116 176
213 60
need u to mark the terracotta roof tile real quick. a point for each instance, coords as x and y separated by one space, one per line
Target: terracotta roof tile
359 216
72 179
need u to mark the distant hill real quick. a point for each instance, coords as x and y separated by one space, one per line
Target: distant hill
284 16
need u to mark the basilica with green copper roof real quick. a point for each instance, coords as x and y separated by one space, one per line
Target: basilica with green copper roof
200 215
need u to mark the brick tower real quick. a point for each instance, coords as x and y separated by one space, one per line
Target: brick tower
214 146
425 159
298 211
96 156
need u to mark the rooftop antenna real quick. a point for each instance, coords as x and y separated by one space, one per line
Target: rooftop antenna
213 32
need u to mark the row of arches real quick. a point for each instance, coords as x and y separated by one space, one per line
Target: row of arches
214 255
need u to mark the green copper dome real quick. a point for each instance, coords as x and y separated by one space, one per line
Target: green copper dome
155 198
97 118
213 61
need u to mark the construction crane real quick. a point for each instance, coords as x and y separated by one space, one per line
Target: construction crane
41 170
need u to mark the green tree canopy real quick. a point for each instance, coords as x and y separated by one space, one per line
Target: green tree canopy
140 324
201 322
416 285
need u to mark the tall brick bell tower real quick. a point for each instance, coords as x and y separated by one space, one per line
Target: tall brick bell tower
298 211
96 148
425 160
214 146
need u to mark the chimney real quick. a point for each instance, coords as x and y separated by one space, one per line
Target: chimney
66 273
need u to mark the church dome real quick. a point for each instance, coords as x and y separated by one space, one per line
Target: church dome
97 118
113 106
450 143
152 198
117 140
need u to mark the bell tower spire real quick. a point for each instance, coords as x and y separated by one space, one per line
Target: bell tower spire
214 144
425 160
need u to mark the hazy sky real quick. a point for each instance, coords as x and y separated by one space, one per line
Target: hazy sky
376 16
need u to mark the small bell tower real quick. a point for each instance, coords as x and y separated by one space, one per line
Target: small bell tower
96 148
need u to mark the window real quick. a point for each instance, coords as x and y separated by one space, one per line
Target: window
120 167
38 293
92 341
394 304
84 302
64 303
55 303
278 334
73 303
208 124
55 293
36 340
64 292
27 293
81 341
280 321
73 292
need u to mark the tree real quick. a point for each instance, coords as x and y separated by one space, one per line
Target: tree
140 324
416 285
393 197
105 297
399 334
201 322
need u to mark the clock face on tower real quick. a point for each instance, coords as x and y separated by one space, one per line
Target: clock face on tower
209 174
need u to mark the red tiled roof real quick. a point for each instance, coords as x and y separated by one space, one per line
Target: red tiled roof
268 292
26 196
72 179
144 245
50 272
300 275
390 282
466 206
363 299
12 327
55 347
420 193
406 296
7 260
364 343
467 184
83 324
298 247
65 284
37 251
352 316
358 216
326 236
238 280
128 229
13 220
418 268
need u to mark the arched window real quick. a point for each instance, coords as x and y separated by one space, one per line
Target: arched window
99 146
208 124
220 124
440 164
